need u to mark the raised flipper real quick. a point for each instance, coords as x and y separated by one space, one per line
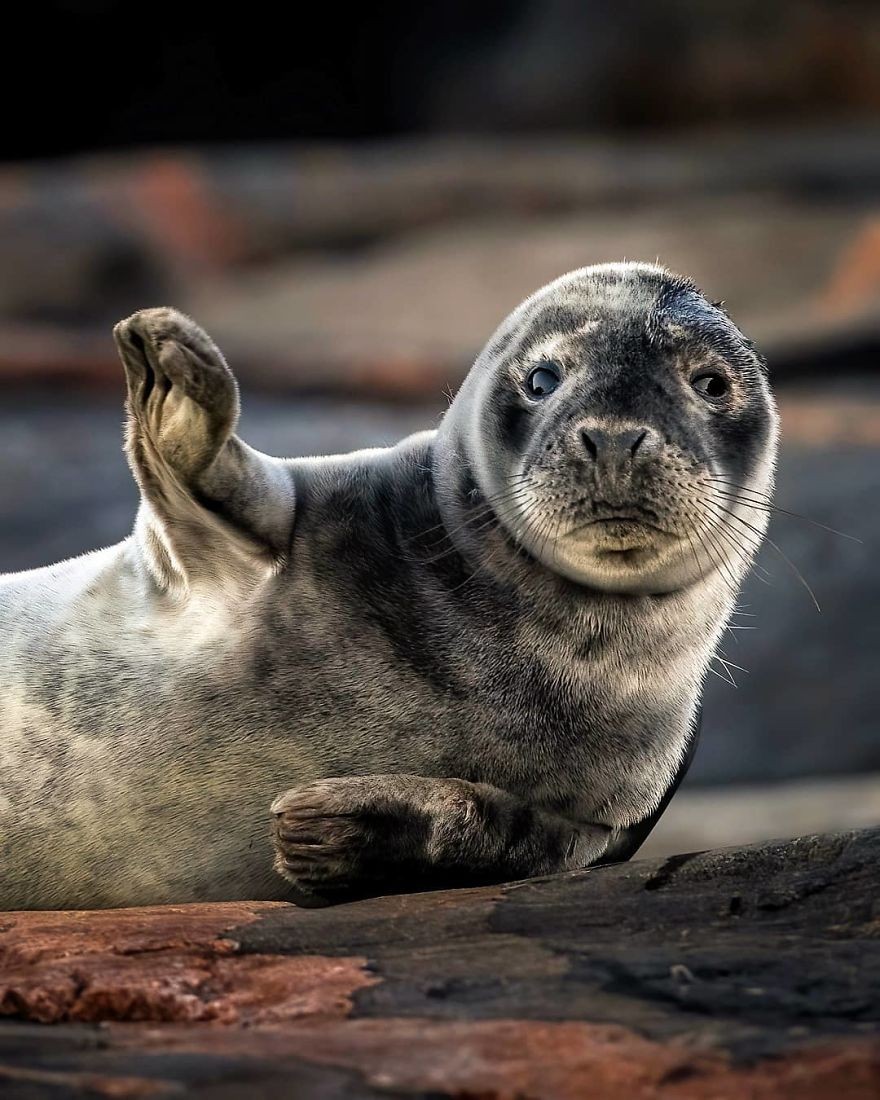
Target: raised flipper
212 507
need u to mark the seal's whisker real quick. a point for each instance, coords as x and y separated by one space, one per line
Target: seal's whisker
697 561
719 525
452 550
577 528
747 556
726 481
727 666
474 522
483 567
491 556
778 550
474 526
720 563
728 679
725 544
477 513
544 531
559 520
720 654
515 482
763 504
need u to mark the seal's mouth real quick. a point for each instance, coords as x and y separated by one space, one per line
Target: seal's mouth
621 523
649 533
631 527
620 534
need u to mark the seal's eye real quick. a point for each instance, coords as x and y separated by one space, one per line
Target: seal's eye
543 380
710 385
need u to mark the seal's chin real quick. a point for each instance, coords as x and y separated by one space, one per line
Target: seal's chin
622 555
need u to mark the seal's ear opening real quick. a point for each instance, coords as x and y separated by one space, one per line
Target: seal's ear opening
206 495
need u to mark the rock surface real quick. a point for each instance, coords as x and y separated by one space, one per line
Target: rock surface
751 972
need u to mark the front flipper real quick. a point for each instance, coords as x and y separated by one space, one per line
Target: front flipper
212 506
338 839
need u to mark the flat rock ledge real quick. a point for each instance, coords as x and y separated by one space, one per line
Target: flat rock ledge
739 973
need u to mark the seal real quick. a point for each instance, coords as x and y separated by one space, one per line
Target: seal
471 657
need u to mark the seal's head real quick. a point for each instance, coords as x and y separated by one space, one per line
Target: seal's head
622 430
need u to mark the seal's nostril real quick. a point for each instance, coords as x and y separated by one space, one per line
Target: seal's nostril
616 447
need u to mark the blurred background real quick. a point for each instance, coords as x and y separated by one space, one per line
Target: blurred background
351 200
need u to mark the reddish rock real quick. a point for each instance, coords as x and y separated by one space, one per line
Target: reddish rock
162 964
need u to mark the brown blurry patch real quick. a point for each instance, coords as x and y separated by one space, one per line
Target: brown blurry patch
854 282
185 219
823 420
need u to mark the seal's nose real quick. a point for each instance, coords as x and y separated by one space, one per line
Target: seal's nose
617 447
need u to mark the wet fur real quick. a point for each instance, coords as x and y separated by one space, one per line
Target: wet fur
367 633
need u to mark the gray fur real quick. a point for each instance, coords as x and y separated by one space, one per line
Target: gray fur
458 673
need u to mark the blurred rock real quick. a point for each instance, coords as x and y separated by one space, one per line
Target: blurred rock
384 268
413 313
582 64
711 817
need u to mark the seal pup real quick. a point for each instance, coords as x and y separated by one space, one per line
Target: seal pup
473 656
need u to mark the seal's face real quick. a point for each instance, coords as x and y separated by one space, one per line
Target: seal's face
623 431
